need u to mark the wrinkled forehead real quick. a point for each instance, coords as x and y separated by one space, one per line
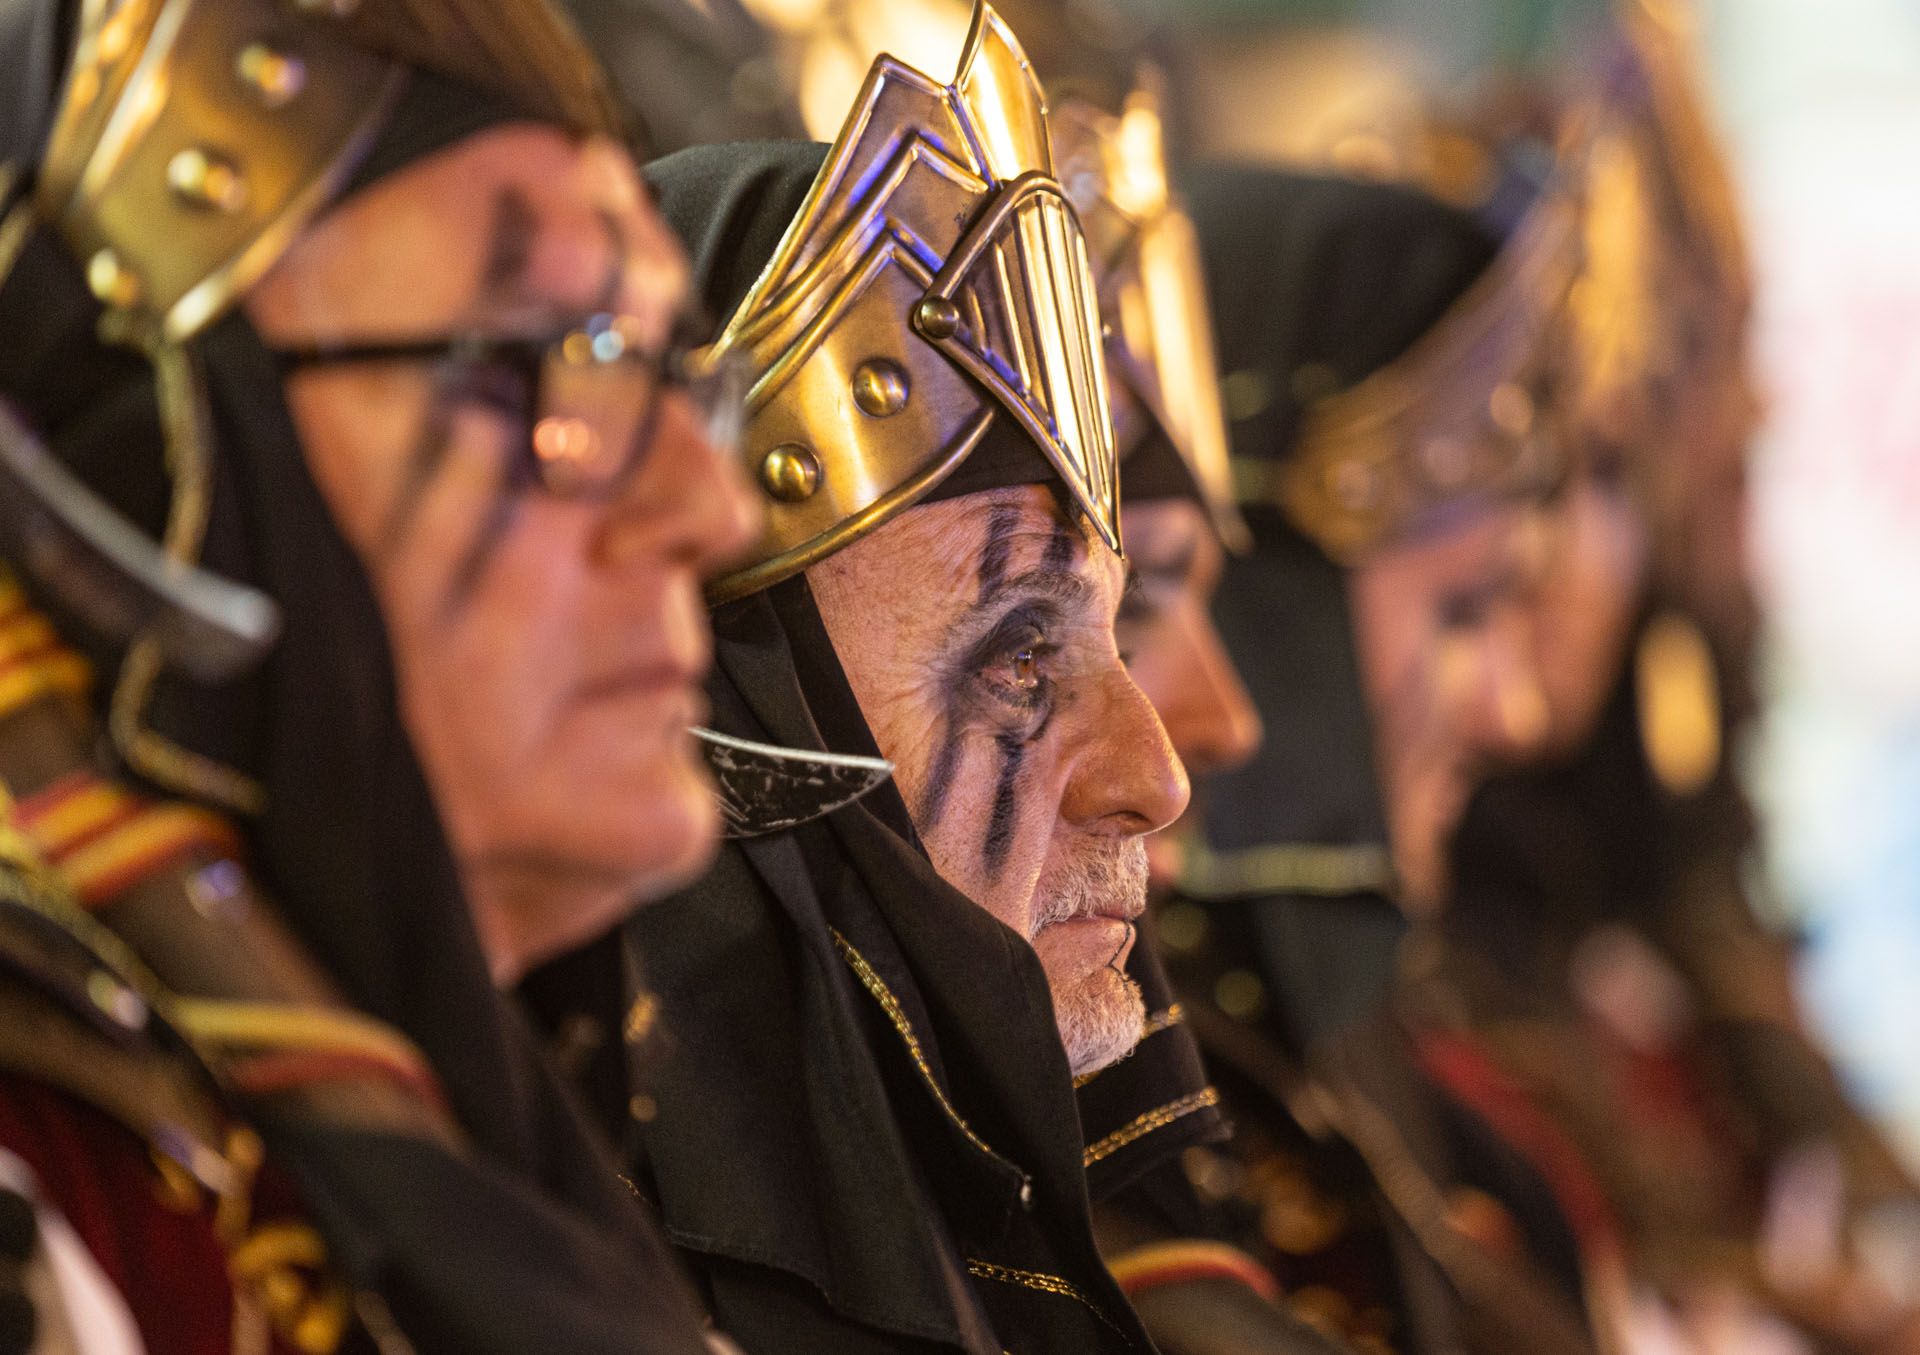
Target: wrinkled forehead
512 228
1021 540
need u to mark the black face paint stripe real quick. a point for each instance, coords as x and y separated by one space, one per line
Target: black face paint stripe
615 281
510 246
514 481
933 801
1059 548
997 550
998 844
429 454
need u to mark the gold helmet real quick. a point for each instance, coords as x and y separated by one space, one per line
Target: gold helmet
1471 411
192 142
1666 288
934 280
1152 292
195 138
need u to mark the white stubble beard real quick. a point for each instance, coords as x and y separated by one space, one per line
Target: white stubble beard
1099 1013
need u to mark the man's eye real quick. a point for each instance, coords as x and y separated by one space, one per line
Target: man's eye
1465 611
1017 673
501 387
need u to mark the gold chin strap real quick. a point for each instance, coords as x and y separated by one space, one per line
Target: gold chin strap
1153 296
934 280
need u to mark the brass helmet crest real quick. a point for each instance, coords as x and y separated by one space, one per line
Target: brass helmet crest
1470 412
1153 292
196 138
934 280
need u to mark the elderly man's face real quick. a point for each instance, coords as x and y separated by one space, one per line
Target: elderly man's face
978 636
1174 651
548 649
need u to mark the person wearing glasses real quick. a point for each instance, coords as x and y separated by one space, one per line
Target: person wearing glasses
343 340
858 1122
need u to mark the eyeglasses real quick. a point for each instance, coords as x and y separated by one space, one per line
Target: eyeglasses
591 396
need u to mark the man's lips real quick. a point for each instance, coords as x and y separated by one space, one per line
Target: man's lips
670 688
659 678
1085 943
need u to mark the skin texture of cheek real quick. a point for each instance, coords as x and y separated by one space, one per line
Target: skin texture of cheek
984 797
988 693
1406 661
1584 609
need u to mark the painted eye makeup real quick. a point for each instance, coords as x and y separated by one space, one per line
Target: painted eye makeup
1015 672
1008 670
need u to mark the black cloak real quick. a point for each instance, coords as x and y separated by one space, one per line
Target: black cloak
529 1241
861 1132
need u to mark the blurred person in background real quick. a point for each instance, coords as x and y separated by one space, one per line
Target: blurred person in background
380 329
1601 970
1195 1294
1391 377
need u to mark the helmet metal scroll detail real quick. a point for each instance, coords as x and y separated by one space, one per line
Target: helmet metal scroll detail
196 138
935 279
1470 412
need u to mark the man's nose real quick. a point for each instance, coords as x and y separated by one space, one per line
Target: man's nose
1126 779
690 503
1209 714
1506 717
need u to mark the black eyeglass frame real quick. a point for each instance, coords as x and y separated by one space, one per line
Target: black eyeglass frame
686 363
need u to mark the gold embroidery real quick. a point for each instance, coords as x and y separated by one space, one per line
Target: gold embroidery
641 1018
1164 1020
1290 867
1158 1118
1043 1283
890 1004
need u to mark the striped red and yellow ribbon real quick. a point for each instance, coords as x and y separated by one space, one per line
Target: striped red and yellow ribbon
1188 1259
33 662
103 839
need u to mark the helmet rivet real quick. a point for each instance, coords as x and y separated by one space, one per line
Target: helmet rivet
112 282
208 180
791 473
937 318
880 388
275 78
